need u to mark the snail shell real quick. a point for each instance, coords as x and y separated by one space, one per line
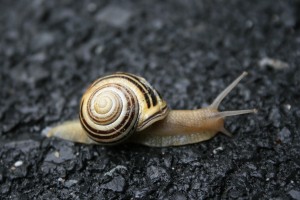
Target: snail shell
116 106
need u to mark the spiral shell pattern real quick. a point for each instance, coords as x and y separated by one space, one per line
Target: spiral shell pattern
109 114
116 106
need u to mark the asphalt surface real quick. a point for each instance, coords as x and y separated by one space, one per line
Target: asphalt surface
50 51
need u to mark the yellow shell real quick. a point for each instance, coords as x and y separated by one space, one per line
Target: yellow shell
117 105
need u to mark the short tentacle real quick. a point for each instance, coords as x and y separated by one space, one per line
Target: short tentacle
226 132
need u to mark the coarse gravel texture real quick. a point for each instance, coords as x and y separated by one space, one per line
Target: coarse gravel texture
190 50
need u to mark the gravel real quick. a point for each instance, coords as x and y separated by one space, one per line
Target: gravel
50 51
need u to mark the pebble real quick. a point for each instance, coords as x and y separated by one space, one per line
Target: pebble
38 57
18 163
113 15
275 117
216 150
273 63
25 146
56 154
32 75
60 180
117 168
117 184
179 196
284 135
65 153
42 40
156 174
295 194
5 188
287 106
91 7
70 183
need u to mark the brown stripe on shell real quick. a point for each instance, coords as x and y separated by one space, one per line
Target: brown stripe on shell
107 132
101 136
136 82
116 133
150 91
153 96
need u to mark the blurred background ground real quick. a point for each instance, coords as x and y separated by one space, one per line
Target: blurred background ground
189 50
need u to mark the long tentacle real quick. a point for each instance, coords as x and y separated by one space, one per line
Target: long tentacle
224 114
225 92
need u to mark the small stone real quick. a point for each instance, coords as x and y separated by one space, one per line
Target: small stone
70 183
179 196
28 109
287 106
273 63
36 74
38 58
33 74
182 85
56 154
249 24
91 7
155 174
12 35
113 15
25 145
18 163
157 24
89 49
117 184
140 194
53 169
294 194
275 117
64 153
216 150
42 40
284 135
117 168
5 188
99 49
60 179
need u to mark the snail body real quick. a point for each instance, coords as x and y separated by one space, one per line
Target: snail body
125 107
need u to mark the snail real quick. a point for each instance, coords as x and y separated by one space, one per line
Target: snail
125 107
